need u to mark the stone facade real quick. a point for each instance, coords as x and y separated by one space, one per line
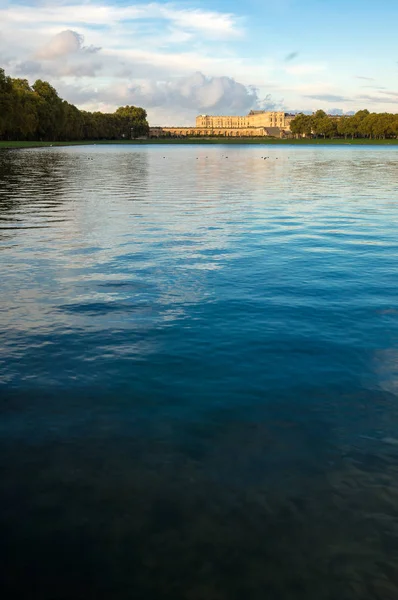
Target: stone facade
255 124
255 118
225 132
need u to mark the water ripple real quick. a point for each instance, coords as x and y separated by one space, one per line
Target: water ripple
199 372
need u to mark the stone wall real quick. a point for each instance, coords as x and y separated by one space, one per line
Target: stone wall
155 132
224 131
253 119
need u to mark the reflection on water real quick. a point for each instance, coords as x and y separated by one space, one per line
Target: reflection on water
198 373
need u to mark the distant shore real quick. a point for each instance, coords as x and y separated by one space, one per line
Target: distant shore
207 141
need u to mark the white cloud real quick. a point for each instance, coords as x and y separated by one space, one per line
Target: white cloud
150 53
151 41
61 44
174 101
212 23
99 14
198 92
64 43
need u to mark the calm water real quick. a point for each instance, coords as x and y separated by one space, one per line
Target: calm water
199 373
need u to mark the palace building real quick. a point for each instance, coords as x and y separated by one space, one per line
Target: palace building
255 118
257 123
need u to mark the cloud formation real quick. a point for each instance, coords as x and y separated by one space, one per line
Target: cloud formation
379 99
328 97
388 92
175 58
63 44
199 92
183 96
209 23
335 111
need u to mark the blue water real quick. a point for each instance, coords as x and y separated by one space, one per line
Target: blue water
199 372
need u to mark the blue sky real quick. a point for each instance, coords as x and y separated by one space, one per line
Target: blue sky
178 59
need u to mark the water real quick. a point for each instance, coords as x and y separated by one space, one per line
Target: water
199 372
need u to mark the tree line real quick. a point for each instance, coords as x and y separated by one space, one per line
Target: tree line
361 125
37 113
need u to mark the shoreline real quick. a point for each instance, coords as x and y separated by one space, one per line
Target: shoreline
205 141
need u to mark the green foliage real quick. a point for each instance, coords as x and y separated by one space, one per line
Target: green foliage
345 127
6 102
37 113
361 125
325 126
301 125
132 121
320 114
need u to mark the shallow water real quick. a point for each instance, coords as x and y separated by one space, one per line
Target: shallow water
199 372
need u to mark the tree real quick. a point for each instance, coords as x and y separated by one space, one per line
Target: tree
6 103
317 123
301 125
319 114
72 122
37 112
133 122
325 126
26 118
49 110
394 126
356 121
345 126
381 125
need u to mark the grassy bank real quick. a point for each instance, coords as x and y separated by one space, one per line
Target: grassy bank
201 141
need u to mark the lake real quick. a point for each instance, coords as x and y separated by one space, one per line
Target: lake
199 372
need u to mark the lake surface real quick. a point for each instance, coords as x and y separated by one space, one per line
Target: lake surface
199 373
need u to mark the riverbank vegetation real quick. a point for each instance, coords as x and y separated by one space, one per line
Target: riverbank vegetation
37 113
361 125
211 141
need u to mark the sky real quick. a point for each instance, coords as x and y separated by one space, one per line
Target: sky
180 59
